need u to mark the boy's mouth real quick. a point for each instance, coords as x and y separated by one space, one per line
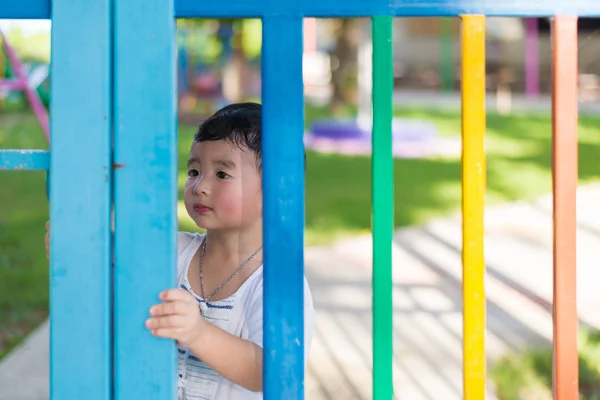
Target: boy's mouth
201 208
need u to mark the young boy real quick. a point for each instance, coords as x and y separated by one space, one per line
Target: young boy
216 313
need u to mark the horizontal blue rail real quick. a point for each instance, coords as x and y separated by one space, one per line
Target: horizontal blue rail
24 159
40 9
25 9
398 8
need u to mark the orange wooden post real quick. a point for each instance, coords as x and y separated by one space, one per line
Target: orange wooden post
564 176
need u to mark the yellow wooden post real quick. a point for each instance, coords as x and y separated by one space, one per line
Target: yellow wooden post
473 191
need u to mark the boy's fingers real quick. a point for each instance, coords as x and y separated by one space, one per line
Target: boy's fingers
166 333
47 240
47 244
171 308
169 321
174 294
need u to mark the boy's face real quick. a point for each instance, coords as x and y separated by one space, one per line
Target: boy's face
223 189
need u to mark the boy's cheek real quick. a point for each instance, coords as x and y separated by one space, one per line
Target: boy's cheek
230 207
187 195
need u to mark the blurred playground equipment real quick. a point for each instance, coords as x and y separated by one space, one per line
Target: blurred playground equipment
32 81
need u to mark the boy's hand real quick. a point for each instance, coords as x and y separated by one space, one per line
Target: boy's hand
178 317
47 240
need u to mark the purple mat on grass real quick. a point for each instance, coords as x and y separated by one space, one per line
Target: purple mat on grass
402 130
410 138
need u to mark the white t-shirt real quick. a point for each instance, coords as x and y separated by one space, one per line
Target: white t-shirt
240 314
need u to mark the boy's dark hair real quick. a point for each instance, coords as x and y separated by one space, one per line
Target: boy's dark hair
240 124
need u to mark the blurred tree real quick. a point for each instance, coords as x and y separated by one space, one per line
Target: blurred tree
343 60
233 41
30 47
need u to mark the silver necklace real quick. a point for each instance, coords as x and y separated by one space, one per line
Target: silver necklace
204 305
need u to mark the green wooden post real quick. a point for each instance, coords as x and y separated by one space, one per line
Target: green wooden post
383 208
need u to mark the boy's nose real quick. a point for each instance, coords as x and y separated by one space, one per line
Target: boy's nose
200 186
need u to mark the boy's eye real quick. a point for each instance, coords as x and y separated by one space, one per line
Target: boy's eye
192 173
222 175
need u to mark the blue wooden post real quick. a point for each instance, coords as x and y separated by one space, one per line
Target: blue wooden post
283 191
145 193
80 345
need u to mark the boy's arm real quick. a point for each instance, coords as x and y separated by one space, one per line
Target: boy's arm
236 359
239 360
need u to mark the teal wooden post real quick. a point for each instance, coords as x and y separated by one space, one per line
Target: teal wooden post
80 345
383 207
145 193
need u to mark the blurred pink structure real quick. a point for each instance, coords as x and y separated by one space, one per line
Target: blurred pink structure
20 83
532 67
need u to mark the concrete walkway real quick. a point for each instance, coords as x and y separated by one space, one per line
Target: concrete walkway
427 299
24 373
427 304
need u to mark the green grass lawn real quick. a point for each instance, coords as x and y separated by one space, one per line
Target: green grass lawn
23 211
529 375
338 193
